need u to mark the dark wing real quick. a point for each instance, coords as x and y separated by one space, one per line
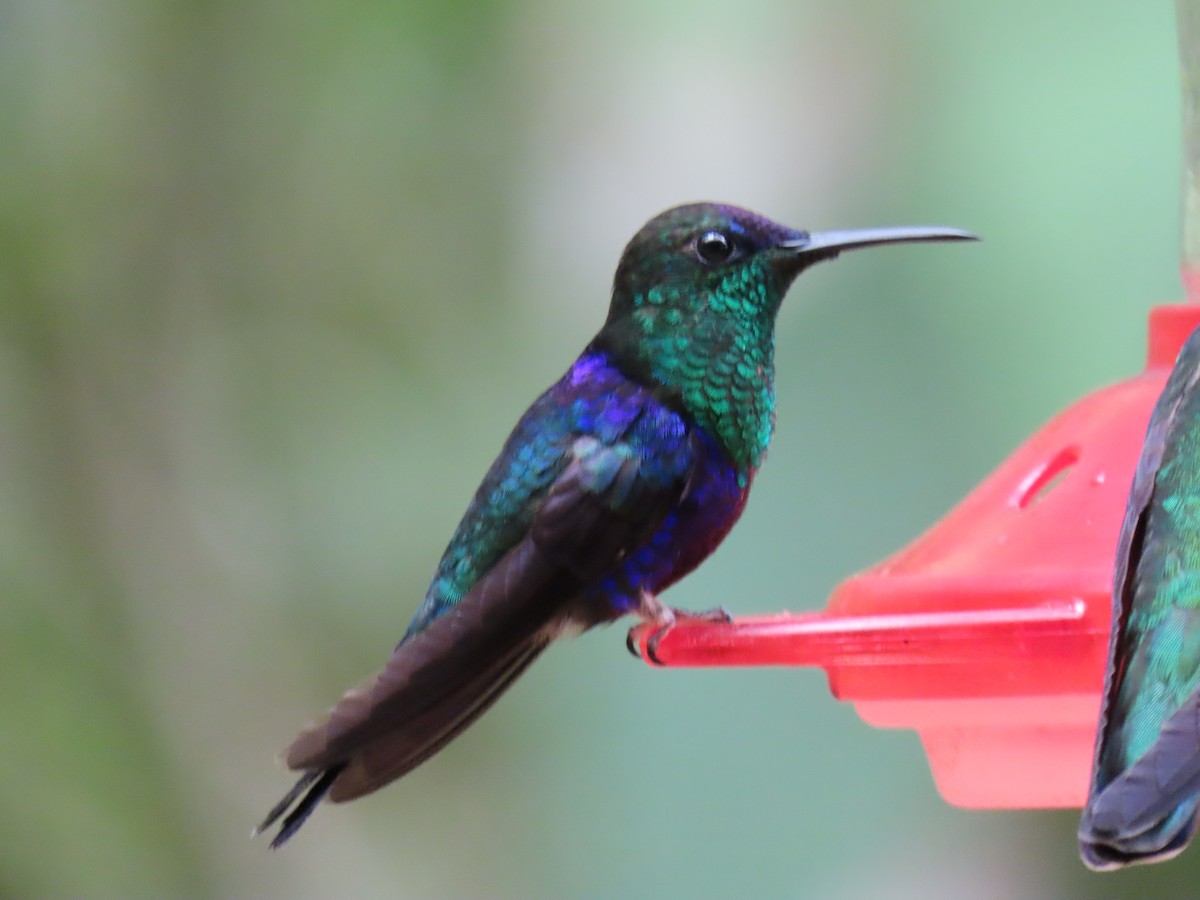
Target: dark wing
607 500
1123 804
1147 812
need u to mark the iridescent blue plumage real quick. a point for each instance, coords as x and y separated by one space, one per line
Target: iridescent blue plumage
618 481
597 413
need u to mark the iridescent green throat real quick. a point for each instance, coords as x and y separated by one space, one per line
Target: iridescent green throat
711 349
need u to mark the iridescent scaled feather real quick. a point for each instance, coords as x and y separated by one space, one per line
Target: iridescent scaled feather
1146 782
710 334
616 483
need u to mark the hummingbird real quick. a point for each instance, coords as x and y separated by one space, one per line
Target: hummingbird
618 481
1145 786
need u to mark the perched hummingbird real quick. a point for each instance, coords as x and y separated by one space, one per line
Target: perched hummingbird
618 481
1146 776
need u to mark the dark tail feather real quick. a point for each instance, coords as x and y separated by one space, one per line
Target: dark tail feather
436 682
393 755
412 742
297 817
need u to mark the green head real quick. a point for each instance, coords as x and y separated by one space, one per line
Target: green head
694 304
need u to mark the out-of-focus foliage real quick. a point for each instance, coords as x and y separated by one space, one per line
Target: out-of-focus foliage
275 280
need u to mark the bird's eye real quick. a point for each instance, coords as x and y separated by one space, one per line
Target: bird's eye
714 248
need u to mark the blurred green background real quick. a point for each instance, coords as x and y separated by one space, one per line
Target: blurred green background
276 279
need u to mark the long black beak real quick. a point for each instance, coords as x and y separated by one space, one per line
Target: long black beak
820 245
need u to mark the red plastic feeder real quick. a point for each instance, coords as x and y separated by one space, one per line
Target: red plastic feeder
989 633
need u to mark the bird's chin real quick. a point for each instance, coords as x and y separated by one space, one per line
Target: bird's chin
788 268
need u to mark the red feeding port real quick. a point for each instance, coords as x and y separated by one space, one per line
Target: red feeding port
988 634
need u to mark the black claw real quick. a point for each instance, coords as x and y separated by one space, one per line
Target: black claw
652 645
717 614
631 644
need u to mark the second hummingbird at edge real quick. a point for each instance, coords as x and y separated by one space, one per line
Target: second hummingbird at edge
1144 799
618 481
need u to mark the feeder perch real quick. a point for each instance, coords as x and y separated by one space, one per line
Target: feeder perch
989 633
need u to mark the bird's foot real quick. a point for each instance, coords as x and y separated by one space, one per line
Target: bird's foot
663 618
717 614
